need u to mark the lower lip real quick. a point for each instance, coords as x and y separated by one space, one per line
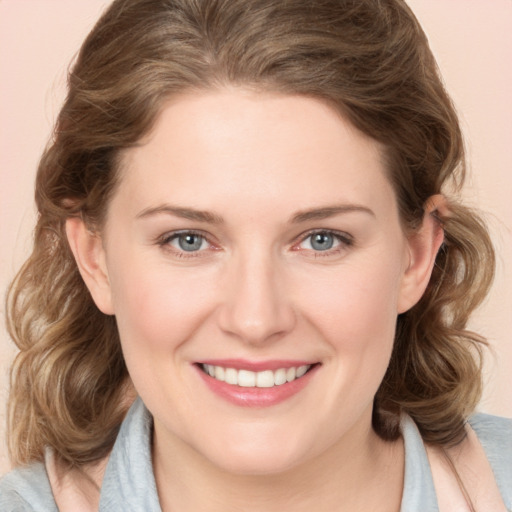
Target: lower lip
257 397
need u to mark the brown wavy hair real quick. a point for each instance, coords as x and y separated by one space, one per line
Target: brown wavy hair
370 60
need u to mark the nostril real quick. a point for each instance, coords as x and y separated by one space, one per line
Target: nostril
255 307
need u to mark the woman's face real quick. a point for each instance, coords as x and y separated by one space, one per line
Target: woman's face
255 236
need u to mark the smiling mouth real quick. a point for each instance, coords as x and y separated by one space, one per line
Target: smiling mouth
261 379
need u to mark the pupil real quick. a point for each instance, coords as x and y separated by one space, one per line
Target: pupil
190 242
322 242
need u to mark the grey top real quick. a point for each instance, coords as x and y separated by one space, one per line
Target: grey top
129 483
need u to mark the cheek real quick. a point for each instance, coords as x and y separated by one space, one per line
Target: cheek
354 309
158 307
355 306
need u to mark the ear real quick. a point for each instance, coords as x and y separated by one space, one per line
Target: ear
423 246
87 248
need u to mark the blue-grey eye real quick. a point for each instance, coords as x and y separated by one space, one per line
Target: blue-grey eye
190 242
322 241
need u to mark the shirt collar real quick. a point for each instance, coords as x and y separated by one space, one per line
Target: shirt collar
419 492
129 482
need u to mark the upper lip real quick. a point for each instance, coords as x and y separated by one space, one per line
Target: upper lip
256 366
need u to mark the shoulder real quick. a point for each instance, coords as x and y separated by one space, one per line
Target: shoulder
495 436
27 489
480 466
492 429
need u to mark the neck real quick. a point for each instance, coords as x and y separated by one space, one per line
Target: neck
360 472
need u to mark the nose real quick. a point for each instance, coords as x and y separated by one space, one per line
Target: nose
255 307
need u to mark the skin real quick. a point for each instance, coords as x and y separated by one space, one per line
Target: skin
258 290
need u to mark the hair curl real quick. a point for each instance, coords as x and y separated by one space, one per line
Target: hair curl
367 58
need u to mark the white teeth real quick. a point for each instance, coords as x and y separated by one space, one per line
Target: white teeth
280 377
231 376
248 379
291 373
219 373
301 370
265 379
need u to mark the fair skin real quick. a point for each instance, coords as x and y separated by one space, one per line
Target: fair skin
297 257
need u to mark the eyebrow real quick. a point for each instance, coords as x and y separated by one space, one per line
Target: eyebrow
212 218
184 213
328 211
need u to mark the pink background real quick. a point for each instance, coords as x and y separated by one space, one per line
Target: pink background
472 40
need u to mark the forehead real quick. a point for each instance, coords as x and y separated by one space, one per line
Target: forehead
256 147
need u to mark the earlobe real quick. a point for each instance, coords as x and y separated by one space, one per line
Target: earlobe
87 248
423 246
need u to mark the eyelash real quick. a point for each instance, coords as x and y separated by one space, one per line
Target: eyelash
344 239
165 242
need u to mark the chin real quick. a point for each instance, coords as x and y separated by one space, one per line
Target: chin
256 465
258 458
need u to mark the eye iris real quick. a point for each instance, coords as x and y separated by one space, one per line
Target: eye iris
322 241
190 242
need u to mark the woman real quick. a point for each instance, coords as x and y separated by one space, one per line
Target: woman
244 241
